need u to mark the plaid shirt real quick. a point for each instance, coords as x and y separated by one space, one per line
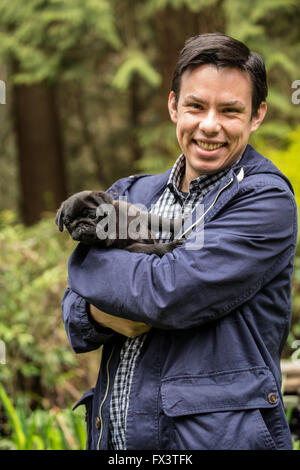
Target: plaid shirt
173 203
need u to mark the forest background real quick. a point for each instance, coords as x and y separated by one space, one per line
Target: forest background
86 93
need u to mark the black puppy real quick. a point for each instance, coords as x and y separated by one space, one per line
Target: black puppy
95 218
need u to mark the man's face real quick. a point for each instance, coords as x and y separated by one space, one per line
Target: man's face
213 117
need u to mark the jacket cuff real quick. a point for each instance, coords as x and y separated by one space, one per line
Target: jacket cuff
83 332
99 328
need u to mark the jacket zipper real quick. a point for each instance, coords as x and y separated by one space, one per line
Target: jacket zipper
104 398
203 215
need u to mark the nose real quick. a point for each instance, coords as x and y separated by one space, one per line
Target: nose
209 123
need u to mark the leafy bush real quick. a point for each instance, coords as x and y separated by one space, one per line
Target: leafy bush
286 159
40 429
40 363
294 335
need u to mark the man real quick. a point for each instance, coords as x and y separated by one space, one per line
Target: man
192 340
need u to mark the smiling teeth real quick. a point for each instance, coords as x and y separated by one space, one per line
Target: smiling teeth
206 146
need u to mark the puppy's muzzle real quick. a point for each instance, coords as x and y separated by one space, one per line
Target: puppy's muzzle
82 230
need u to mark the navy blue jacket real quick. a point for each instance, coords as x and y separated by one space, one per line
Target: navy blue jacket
208 375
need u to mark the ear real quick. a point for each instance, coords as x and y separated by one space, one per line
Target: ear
172 107
59 218
260 115
101 197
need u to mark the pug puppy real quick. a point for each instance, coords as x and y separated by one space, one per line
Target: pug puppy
95 218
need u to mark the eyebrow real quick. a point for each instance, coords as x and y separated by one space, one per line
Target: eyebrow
227 103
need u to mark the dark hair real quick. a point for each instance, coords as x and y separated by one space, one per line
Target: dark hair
223 51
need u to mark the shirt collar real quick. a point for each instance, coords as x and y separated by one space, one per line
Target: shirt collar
178 170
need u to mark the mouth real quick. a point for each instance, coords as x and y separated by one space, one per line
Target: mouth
209 146
83 231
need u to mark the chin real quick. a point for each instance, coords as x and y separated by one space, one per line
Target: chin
209 169
84 237
76 236
81 235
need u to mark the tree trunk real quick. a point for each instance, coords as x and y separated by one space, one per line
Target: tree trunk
42 175
174 27
134 119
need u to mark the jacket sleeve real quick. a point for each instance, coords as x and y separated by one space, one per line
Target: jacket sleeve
246 245
83 333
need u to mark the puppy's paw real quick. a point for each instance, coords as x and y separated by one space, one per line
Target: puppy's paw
174 244
179 241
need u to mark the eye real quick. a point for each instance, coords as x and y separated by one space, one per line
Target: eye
231 110
88 213
85 212
196 106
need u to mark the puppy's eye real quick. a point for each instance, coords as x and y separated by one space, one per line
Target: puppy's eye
85 213
88 213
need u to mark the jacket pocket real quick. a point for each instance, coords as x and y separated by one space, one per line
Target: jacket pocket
221 410
87 400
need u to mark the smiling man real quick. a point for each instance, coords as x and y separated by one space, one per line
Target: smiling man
193 340
213 115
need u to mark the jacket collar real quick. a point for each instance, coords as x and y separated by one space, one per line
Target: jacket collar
146 189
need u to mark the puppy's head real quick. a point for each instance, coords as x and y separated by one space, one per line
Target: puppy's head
79 214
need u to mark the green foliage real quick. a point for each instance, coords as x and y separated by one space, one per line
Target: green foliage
135 62
41 430
157 142
269 28
193 5
41 372
33 277
296 445
295 326
287 158
45 37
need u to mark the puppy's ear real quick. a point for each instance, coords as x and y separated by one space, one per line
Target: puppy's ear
101 197
59 218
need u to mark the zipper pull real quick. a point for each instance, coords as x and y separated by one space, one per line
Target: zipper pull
241 175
